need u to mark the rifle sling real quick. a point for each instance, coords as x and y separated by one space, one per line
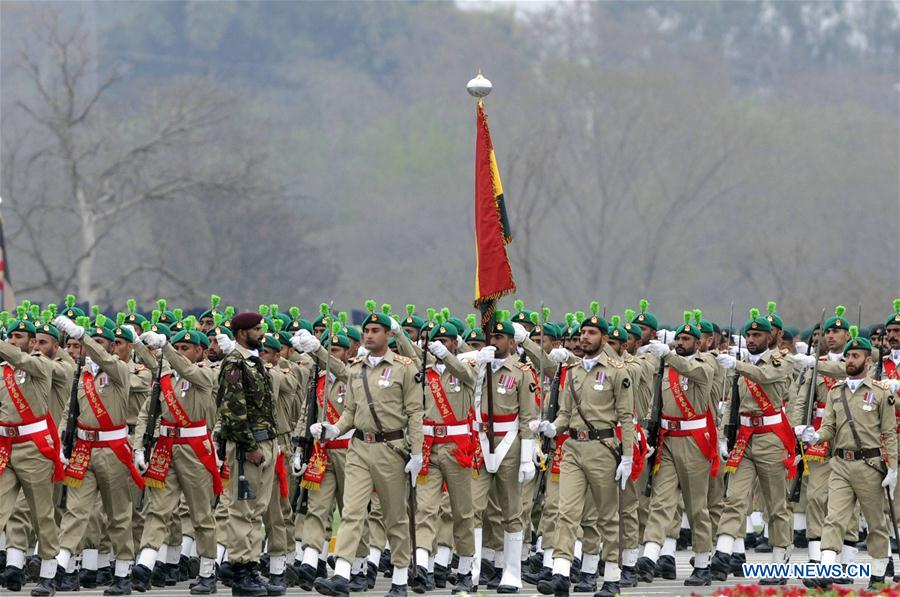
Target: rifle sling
578 403
853 430
371 403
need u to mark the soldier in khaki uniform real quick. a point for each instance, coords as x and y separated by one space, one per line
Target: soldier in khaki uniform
29 449
860 423
447 456
184 461
100 469
595 397
384 407
764 450
687 453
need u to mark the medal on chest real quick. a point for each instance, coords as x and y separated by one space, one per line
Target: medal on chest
102 381
21 376
341 392
385 379
185 386
684 382
505 383
599 380
868 401
453 382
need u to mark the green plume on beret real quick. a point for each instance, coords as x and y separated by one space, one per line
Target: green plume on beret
840 310
386 309
35 312
4 317
854 331
95 311
278 325
295 312
273 309
470 321
145 325
214 300
190 322
687 317
99 320
410 309
754 313
47 316
545 313
770 307
897 304
70 301
595 307
154 316
579 316
265 327
519 304
698 315
629 314
218 319
120 319
84 321
446 313
161 305
52 309
26 304
178 313
229 312
370 306
263 310
343 317
644 304
615 321
534 318
570 319
430 312
132 305
20 311
439 318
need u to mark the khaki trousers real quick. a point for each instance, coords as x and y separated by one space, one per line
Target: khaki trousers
311 529
849 483
29 471
444 468
550 513
243 534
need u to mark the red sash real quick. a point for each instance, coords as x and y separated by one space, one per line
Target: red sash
562 437
281 475
782 429
81 454
318 460
48 450
819 452
707 438
158 467
464 451
638 451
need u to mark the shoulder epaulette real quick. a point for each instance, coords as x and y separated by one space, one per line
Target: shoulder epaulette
139 367
471 362
285 370
269 365
840 382
880 384
524 366
616 363
629 359
404 360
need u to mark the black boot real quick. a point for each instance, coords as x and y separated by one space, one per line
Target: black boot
13 578
32 568
738 560
397 591
543 573
44 586
173 574
876 582
306 576
193 567
666 566
66 582
629 578
700 577
88 578
384 564
276 584
290 576
159 576
588 582
762 546
609 589
487 571
184 568
720 566
264 564
684 539
575 571
244 581
226 573
358 583
419 580
336 586
440 576
121 585
371 575
104 576
800 539
204 585
322 569
645 568
751 539
494 582
140 578
534 562
557 585
463 584
861 542
889 570
429 582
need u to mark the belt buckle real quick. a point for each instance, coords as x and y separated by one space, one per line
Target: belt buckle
583 435
849 455
11 431
368 437
674 425
756 420
91 435
440 431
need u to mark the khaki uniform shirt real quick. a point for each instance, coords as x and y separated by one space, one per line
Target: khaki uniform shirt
34 376
872 408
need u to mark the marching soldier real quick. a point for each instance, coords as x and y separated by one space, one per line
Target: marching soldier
764 449
385 410
860 423
596 397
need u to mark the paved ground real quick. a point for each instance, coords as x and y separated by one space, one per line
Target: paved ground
659 587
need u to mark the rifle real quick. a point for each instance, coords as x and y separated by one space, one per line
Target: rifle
244 492
879 368
653 422
154 410
68 436
734 414
301 494
794 497
552 409
221 454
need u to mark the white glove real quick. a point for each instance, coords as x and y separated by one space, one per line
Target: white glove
723 449
331 431
802 361
650 451
362 352
526 466
63 459
665 336
744 353
152 340
559 355
225 343
486 355
395 326
71 329
810 435
798 430
139 462
219 461
459 340
298 465
438 350
413 467
737 339
890 481
658 349
802 348
623 471
797 459
303 341
893 385
546 428
521 333
726 361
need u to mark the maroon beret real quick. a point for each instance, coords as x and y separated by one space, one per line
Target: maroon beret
245 321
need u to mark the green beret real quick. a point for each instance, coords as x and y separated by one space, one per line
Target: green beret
707 326
645 317
338 340
837 321
413 321
596 321
124 332
102 332
857 343
444 330
475 335
271 342
351 332
894 319
161 328
757 323
195 337
300 324
167 317
504 328
618 333
634 329
284 337
550 329
773 317
47 328
21 325
523 317
379 318
688 328
573 330
136 318
220 329
72 311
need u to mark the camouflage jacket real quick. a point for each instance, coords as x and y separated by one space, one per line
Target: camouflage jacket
245 399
